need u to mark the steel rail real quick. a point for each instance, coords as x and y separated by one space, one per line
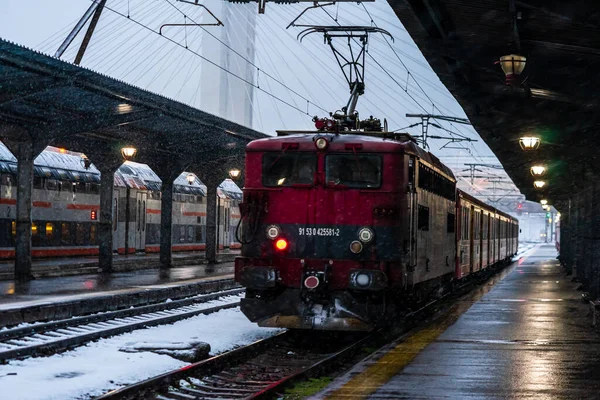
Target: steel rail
107 324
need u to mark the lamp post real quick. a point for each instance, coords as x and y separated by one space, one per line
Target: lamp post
529 143
128 152
191 178
512 65
538 170
234 173
539 184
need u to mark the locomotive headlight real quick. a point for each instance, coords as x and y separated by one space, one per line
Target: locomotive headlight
365 235
321 143
273 232
362 279
356 247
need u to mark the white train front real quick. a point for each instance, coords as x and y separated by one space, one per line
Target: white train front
66 202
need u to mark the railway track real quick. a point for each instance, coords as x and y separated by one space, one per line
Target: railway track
260 369
56 336
263 369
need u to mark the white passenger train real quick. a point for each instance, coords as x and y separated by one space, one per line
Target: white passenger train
66 204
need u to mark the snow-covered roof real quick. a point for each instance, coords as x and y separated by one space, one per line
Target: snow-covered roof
54 157
229 189
5 154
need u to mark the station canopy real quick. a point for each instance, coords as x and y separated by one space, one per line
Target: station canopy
69 106
556 97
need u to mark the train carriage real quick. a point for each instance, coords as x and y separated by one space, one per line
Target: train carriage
339 231
66 204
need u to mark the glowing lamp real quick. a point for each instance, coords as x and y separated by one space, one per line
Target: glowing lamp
512 65
543 202
538 170
321 143
539 184
281 244
528 143
191 178
128 152
234 173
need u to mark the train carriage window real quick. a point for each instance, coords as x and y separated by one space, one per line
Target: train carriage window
93 188
6 180
49 231
79 187
93 228
38 182
65 186
353 170
115 221
423 222
182 233
13 228
450 222
287 169
51 184
198 234
80 234
65 233
190 235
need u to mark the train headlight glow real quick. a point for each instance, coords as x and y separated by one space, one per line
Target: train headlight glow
281 244
356 247
273 232
362 279
321 143
365 235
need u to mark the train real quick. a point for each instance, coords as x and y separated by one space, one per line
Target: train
66 201
344 230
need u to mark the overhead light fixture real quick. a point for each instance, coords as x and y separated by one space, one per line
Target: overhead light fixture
128 152
191 178
539 184
234 173
528 143
545 207
512 65
538 170
543 202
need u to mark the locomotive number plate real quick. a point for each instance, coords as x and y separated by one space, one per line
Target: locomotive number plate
318 231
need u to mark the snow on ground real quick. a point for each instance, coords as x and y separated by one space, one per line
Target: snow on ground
100 366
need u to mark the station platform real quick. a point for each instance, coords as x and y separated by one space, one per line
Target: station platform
64 266
525 335
63 297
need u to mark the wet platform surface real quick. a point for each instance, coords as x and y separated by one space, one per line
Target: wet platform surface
67 288
529 337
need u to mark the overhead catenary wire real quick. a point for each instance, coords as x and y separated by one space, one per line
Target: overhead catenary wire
215 64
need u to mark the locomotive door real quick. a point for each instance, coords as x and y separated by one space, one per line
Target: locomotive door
413 204
140 221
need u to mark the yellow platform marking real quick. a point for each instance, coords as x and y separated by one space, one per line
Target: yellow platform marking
374 376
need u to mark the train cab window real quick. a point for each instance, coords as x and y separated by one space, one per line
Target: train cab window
199 199
49 231
450 223
423 218
352 170
79 187
287 169
51 184
93 188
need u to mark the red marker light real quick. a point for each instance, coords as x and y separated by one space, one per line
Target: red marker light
281 244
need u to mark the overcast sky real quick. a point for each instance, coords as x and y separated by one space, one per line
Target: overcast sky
129 51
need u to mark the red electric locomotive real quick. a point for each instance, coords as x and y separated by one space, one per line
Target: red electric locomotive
340 228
